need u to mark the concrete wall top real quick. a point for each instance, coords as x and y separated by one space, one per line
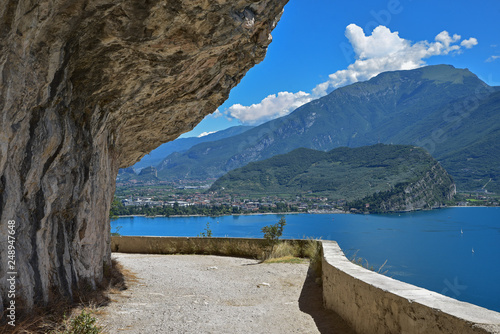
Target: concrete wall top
470 313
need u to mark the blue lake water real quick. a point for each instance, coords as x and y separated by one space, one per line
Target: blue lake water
425 248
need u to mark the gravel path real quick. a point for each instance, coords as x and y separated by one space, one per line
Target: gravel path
211 294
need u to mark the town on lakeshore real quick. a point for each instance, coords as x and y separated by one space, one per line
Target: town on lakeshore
153 198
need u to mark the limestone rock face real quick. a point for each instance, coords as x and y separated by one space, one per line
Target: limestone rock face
87 87
431 190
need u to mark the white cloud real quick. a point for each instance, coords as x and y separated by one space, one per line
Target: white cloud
384 51
492 59
379 52
216 114
445 39
381 43
469 43
269 108
203 134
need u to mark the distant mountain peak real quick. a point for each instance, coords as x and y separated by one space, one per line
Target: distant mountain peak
448 73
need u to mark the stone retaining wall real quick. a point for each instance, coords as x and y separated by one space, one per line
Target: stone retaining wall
239 247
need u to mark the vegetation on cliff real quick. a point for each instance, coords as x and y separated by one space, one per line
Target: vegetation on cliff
434 189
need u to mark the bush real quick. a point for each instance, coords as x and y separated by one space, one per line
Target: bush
272 233
84 323
207 233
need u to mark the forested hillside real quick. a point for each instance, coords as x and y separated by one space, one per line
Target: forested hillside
404 177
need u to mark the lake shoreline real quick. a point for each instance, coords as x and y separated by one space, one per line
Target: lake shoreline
315 212
237 214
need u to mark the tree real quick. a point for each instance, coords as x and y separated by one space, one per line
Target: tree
116 208
272 233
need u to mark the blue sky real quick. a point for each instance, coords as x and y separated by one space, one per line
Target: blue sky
320 45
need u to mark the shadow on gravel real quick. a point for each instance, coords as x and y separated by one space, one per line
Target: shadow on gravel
311 302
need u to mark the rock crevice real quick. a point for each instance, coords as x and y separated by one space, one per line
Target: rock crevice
88 86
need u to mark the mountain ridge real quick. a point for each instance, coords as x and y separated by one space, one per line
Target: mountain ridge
419 107
157 155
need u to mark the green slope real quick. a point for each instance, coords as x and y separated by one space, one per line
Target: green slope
467 142
342 173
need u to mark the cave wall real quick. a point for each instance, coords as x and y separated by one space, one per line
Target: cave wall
90 86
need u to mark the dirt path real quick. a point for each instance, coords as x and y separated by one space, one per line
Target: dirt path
211 294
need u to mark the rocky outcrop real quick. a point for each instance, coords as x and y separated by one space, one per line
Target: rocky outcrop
431 189
87 87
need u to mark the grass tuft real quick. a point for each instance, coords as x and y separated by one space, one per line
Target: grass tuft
364 263
286 259
292 252
64 317
283 249
83 323
313 251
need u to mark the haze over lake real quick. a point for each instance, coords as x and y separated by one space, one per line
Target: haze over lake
453 251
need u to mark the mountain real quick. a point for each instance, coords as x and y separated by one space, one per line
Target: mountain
448 111
184 144
397 177
470 147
